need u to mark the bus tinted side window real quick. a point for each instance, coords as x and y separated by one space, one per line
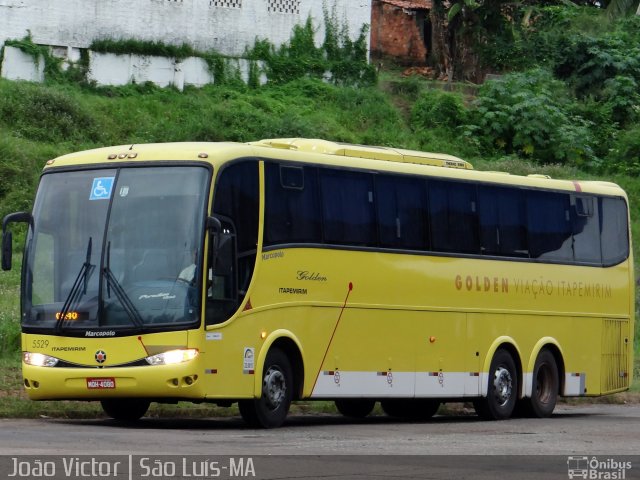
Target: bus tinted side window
502 220
291 205
452 217
549 226
614 230
402 218
586 229
237 198
347 208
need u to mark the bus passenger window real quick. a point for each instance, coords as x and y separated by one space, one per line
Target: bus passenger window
347 208
614 230
502 221
292 212
452 217
401 206
586 230
549 226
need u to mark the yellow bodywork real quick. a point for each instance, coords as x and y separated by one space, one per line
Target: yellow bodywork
367 323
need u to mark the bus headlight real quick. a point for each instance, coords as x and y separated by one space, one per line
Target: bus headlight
172 357
39 359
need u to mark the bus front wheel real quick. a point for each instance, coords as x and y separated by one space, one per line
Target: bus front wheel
125 409
271 409
355 407
502 390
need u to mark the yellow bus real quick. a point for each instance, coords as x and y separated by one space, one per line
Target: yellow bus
289 269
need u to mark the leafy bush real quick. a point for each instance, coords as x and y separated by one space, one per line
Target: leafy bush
436 108
624 157
530 114
45 114
621 94
589 61
533 35
603 129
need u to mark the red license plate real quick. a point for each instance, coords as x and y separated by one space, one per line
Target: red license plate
101 383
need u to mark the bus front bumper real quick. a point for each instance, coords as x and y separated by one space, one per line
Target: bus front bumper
180 381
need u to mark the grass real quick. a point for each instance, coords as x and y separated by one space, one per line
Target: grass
10 312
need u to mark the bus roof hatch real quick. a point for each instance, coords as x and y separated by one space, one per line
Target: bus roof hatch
360 151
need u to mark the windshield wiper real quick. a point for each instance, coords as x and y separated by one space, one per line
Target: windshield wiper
78 289
121 295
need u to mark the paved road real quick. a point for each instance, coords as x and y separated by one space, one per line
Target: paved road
594 430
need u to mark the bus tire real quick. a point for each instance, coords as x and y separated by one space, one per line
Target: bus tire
271 409
410 408
355 407
502 389
546 384
125 409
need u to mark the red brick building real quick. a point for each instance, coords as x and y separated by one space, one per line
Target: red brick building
401 29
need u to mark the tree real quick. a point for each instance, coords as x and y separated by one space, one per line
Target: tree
461 25
623 8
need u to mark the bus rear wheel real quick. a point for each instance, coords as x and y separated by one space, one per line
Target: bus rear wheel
355 407
546 384
411 408
271 409
502 390
125 409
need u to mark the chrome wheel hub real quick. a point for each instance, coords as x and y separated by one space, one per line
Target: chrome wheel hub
274 387
503 385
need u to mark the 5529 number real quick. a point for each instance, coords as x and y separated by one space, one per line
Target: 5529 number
40 344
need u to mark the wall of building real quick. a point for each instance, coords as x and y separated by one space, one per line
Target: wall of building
395 31
17 65
117 70
227 26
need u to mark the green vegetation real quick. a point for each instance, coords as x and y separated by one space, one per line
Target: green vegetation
339 59
567 106
38 52
140 47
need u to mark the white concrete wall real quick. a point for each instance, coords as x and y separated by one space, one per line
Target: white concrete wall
204 24
117 70
17 65
110 69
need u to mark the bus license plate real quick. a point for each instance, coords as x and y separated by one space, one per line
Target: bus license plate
101 383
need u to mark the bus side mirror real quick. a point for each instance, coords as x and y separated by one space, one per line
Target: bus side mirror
7 237
215 228
225 254
223 247
7 244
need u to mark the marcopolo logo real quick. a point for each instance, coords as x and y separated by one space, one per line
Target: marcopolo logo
597 468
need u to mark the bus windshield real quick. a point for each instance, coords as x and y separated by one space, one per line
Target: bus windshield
115 249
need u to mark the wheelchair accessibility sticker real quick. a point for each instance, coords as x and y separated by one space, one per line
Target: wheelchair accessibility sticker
101 188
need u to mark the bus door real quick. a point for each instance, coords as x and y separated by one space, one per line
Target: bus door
236 207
